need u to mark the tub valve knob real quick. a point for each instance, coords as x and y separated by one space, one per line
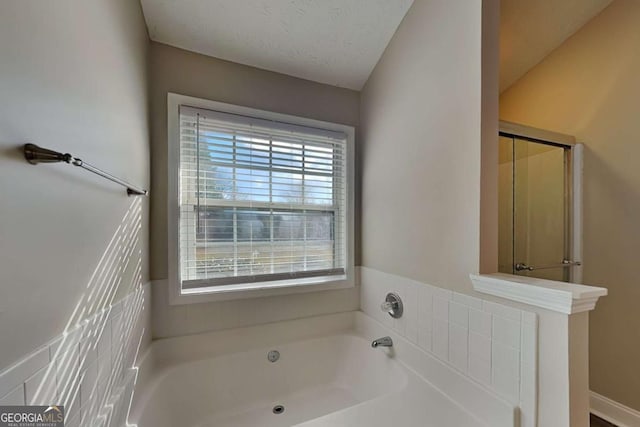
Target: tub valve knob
392 305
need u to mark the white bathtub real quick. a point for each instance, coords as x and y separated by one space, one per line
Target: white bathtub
327 375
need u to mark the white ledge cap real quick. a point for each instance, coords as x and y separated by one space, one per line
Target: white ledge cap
567 298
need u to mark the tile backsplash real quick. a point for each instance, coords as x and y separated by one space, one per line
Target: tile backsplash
88 369
494 344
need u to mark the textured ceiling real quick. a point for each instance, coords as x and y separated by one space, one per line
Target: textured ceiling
531 29
337 42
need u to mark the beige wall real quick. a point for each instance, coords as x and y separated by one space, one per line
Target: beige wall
590 87
421 133
72 78
186 73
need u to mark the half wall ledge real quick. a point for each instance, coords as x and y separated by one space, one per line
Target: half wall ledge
562 297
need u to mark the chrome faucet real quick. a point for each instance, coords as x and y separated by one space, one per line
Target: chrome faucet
382 342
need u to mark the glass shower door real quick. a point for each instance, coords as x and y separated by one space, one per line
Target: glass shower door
534 208
505 206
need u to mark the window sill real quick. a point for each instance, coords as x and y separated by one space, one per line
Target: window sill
258 290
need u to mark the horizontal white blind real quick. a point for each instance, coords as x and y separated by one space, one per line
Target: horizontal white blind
260 200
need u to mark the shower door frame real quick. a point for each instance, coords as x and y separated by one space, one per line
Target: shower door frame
573 184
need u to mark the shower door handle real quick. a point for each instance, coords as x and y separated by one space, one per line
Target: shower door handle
523 267
565 263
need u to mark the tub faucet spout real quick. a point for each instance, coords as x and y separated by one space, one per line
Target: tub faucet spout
382 342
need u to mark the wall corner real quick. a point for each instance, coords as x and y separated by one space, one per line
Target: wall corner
489 136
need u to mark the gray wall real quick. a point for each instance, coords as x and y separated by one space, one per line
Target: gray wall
421 132
186 73
72 78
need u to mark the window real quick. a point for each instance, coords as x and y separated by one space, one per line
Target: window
263 199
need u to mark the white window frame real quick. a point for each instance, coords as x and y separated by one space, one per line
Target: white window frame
251 290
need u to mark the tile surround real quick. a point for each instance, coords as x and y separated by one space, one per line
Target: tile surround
88 368
494 344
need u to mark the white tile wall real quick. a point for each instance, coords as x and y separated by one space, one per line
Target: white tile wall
14 397
440 337
459 347
494 344
85 367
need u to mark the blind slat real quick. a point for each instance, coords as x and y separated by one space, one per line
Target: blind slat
239 122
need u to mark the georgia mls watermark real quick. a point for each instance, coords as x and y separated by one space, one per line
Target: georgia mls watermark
32 416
